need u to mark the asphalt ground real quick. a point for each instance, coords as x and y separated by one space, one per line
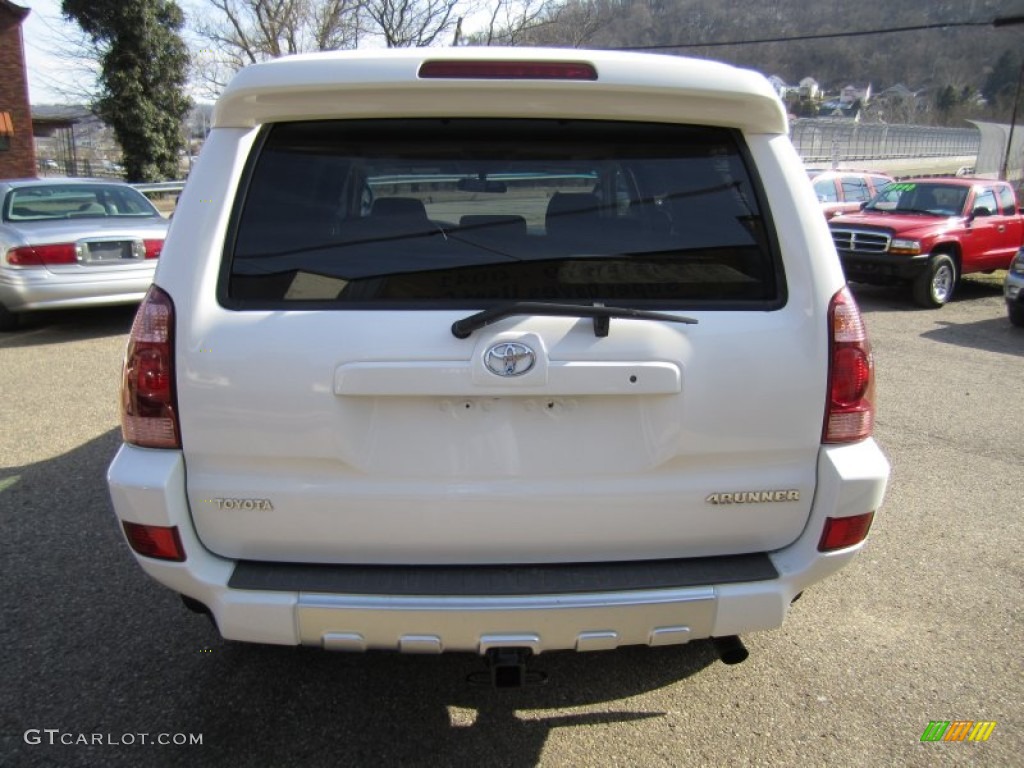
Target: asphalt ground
926 625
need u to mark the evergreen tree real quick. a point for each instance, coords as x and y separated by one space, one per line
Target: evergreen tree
1001 82
144 69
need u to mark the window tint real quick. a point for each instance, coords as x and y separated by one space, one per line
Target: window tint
384 213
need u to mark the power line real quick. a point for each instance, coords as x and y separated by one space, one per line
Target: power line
1008 21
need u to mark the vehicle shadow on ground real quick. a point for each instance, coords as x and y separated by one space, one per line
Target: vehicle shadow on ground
95 647
898 297
56 327
994 335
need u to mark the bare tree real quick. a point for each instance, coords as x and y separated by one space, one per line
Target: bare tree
511 22
76 81
410 23
572 23
237 33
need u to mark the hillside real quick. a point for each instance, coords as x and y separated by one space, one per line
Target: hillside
969 60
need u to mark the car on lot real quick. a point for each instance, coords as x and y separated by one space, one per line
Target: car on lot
74 243
927 233
498 351
1013 289
845 191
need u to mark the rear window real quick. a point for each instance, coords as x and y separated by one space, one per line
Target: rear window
465 213
75 201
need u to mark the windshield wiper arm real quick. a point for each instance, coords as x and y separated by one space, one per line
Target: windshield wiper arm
461 329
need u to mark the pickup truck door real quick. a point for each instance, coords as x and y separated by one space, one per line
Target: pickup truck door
996 237
1012 221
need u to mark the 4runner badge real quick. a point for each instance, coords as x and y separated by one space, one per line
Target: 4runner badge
509 358
753 497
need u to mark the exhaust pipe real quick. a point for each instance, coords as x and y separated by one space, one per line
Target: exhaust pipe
195 606
730 649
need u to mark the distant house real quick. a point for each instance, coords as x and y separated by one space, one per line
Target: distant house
17 150
809 89
57 146
851 94
852 99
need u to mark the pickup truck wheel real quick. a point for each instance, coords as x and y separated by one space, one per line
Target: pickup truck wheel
8 319
934 287
1016 314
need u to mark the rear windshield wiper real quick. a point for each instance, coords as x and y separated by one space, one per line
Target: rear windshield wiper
602 315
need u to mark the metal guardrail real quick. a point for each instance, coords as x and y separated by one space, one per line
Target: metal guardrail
825 141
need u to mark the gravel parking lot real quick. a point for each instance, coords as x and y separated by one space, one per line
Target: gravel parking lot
926 625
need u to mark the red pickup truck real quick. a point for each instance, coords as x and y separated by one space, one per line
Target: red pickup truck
929 232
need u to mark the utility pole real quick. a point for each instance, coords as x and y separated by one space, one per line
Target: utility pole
1008 21
1013 124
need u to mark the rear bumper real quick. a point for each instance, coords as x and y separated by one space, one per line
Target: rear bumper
36 288
581 607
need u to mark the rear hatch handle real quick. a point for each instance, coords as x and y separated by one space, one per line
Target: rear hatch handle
461 329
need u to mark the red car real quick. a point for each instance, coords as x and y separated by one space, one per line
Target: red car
844 191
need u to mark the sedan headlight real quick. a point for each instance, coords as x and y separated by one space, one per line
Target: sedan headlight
905 246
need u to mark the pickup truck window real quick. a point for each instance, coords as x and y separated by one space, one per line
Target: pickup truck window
385 213
826 191
986 198
855 189
1007 205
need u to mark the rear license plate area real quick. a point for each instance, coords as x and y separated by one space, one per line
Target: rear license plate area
107 251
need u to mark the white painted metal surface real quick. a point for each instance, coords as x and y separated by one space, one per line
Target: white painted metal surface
378 437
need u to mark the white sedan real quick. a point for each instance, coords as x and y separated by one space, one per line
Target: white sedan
74 243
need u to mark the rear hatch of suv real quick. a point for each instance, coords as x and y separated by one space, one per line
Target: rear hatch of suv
330 412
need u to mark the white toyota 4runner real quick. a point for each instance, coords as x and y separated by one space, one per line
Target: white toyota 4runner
483 349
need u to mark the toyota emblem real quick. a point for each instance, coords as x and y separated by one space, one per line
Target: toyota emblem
509 358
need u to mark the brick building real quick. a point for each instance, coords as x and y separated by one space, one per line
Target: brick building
17 150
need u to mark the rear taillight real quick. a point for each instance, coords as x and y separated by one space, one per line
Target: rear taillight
161 542
508 70
153 248
850 415
40 255
842 532
149 415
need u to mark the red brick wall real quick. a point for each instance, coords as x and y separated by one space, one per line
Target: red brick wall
20 159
